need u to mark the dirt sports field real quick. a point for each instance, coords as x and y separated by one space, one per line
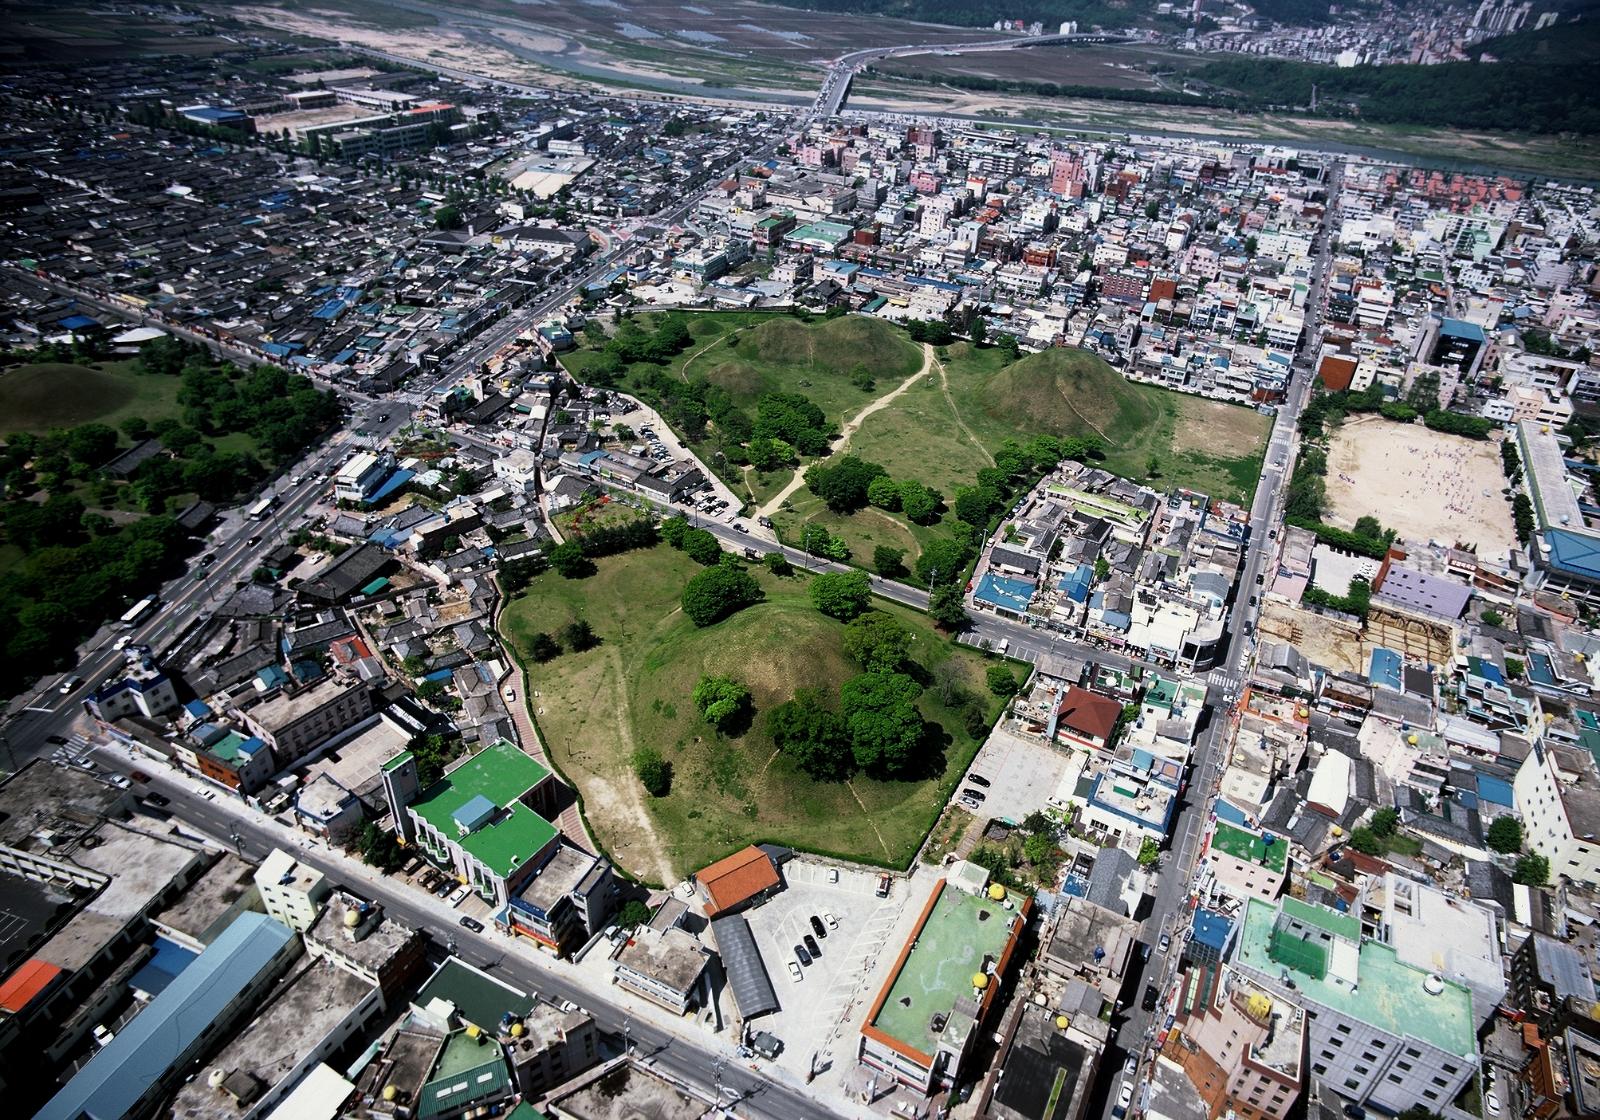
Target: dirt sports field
1425 485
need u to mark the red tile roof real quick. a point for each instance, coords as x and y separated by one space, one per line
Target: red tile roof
1088 713
736 880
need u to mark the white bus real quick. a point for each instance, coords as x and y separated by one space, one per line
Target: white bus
263 507
140 611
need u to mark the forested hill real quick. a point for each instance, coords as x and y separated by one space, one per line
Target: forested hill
1543 82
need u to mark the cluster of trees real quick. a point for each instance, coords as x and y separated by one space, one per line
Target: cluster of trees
714 594
575 637
1374 837
1510 459
518 572
1522 517
632 344
876 728
1357 600
284 413
841 595
1458 423
574 558
935 332
1035 846
700 545
792 420
653 771
724 703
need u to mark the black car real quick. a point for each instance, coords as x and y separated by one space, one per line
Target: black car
978 780
55 740
473 924
1151 998
811 945
158 799
817 927
976 795
801 955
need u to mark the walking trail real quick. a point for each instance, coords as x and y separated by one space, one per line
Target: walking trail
851 427
944 386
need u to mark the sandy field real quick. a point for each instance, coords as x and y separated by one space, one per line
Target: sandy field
1425 485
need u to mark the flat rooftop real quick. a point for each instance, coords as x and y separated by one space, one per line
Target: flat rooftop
630 1092
1388 994
62 799
302 1012
386 937
562 875
672 957
1251 847
959 934
283 709
501 774
212 901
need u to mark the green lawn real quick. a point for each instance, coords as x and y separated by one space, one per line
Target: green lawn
593 708
41 396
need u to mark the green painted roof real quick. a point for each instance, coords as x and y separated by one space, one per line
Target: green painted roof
478 999
1340 925
1161 692
949 948
469 1069
1389 993
1251 847
502 774
403 756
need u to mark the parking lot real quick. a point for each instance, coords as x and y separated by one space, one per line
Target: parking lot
821 1012
1022 775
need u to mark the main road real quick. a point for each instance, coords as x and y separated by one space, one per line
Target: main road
686 1055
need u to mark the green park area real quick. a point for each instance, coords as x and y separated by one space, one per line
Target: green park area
933 414
634 688
44 395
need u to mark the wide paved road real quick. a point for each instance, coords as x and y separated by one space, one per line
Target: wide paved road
681 1054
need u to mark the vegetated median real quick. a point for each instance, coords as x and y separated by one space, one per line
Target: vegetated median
631 688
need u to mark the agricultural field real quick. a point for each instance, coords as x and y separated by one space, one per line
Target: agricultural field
633 688
45 395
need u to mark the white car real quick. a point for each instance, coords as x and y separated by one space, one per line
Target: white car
794 972
1124 1099
827 916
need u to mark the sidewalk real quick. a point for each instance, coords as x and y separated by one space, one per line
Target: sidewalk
352 872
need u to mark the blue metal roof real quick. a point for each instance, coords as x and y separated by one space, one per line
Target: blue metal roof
1575 553
114 1082
1211 928
1460 328
1077 584
1001 591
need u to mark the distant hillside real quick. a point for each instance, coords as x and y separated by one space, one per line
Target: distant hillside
781 353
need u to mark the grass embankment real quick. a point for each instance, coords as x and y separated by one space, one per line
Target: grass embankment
45 395
634 689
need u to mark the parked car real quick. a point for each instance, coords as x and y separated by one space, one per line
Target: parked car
139 776
973 794
811 945
817 927
472 923
457 896
1124 1099
801 955
1166 942
158 800
833 923
1151 997
794 972
978 780
833 874
1131 1066
884 882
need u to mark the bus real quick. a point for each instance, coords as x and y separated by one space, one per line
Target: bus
262 508
140 611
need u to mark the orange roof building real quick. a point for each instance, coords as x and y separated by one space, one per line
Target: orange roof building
24 985
741 880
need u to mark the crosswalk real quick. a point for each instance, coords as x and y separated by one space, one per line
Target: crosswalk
1224 681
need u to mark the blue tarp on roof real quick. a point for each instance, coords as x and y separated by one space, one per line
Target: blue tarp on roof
1460 328
77 323
1005 593
163 967
1496 791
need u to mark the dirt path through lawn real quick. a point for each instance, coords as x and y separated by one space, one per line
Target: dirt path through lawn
944 386
851 427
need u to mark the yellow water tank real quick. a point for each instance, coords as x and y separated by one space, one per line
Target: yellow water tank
1412 739
352 918
980 980
997 892
1337 831
1304 712
390 1092
472 1030
1259 1005
1062 1022
518 1030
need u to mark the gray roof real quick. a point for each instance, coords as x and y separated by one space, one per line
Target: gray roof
1112 866
747 974
1563 968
